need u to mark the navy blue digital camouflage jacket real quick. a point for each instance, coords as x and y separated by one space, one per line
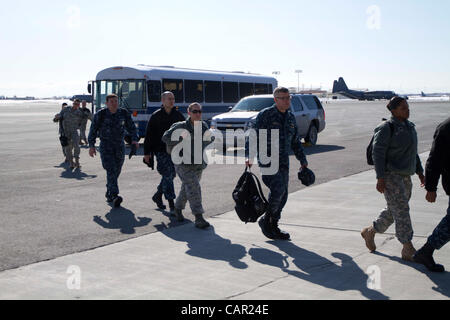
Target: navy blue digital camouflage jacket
289 139
111 127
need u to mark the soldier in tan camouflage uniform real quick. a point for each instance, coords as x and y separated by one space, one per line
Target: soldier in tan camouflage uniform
193 163
71 121
88 115
396 160
61 131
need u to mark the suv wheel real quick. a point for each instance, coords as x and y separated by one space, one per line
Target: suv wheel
311 137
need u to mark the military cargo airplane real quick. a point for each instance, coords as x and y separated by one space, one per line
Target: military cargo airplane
340 87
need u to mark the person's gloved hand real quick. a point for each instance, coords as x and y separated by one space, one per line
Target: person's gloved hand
134 147
151 161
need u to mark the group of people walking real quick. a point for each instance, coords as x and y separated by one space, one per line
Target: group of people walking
394 153
72 130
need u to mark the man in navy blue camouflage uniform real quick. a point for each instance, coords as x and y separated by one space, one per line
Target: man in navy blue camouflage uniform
279 119
109 125
438 164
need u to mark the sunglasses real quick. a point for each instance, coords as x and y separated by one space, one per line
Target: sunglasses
196 111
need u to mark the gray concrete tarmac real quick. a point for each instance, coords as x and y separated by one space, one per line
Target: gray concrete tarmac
48 211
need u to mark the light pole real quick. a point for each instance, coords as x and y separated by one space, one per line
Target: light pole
298 79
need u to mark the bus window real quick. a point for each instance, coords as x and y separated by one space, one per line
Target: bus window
246 89
105 88
193 90
261 88
176 87
154 90
270 88
213 91
230 92
131 94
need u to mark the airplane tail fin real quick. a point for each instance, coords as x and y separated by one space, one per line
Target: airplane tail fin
423 94
339 85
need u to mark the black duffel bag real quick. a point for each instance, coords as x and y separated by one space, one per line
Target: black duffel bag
249 198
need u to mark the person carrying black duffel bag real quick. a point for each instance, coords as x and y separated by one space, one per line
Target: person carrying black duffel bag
249 197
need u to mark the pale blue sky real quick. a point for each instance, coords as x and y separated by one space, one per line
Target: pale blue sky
55 47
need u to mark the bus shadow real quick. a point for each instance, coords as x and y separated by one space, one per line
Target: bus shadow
309 150
316 269
322 148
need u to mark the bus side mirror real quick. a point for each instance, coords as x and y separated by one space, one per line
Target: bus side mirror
229 108
89 88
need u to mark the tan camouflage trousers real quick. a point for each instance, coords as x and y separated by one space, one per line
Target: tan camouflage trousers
73 148
83 130
397 195
191 191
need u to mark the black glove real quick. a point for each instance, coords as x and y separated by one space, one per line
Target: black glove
128 139
151 164
132 151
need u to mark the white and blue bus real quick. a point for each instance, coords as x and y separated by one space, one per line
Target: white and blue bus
140 87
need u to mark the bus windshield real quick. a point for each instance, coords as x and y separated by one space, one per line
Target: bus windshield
130 92
253 104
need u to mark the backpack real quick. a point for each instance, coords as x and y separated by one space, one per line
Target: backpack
249 198
370 146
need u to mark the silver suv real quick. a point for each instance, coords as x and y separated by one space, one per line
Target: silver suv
307 109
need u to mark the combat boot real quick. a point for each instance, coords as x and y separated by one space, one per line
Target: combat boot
178 214
277 233
408 251
425 256
117 201
266 228
108 197
72 164
77 163
200 222
157 198
368 235
171 205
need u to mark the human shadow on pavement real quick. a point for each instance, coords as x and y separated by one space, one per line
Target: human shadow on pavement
206 244
63 164
440 279
317 269
122 219
76 174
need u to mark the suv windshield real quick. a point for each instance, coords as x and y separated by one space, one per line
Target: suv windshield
253 104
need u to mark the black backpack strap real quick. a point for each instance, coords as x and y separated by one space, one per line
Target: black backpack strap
261 194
